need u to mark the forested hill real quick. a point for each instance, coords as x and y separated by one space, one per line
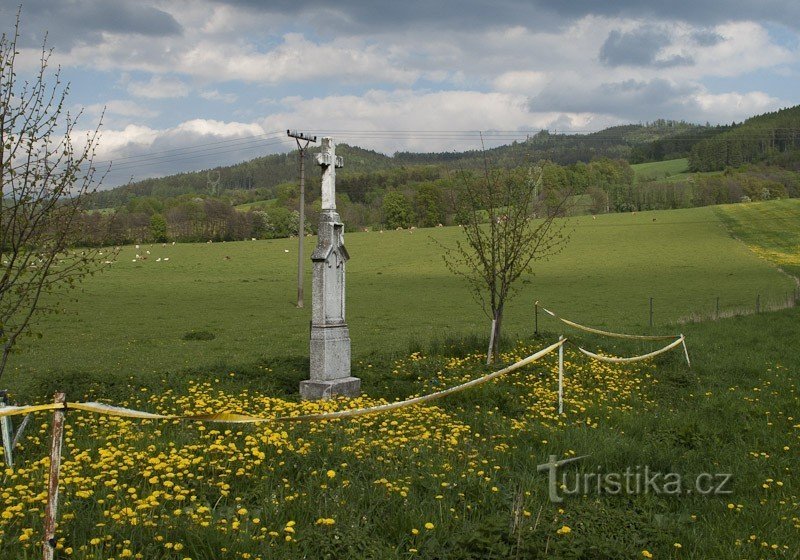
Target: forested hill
262 174
654 141
772 137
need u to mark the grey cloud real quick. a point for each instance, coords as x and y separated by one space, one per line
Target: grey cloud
706 38
698 12
364 15
83 21
633 48
639 48
629 100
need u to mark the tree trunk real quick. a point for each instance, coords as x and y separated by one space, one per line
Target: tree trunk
494 348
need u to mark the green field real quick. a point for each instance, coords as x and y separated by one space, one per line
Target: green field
670 171
659 170
131 319
771 229
257 205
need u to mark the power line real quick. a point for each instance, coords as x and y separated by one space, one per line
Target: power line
173 158
260 141
195 146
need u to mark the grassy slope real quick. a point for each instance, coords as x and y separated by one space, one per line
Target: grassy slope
670 171
660 169
256 205
772 229
131 319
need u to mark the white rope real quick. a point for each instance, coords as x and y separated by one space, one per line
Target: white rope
615 360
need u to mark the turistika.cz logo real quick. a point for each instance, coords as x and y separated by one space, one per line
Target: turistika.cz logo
633 480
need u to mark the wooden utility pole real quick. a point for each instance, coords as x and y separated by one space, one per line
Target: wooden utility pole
303 141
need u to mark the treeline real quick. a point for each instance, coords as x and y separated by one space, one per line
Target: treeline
421 196
192 220
772 137
676 146
745 184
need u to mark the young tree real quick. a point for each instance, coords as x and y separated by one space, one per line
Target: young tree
397 211
508 224
45 175
158 228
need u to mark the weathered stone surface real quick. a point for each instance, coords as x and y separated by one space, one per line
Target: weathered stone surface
330 352
311 390
330 338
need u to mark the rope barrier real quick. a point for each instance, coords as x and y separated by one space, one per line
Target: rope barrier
607 333
616 360
432 396
235 418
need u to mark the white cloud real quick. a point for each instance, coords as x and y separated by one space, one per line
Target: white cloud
296 59
377 113
214 95
726 107
746 46
141 151
121 108
520 81
159 87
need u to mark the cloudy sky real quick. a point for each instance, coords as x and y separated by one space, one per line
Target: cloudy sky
194 84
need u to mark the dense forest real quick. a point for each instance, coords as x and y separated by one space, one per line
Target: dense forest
756 160
772 137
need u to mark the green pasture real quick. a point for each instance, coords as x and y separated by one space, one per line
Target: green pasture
257 205
772 229
133 318
659 170
669 171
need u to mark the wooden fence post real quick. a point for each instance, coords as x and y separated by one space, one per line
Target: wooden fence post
51 510
6 433
758 303
561 377
536 318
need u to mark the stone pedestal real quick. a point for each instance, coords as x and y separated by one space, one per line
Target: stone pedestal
311 390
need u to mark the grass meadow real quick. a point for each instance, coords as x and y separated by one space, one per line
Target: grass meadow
457 479
132 319
669 171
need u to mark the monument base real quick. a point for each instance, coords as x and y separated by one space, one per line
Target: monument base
311 390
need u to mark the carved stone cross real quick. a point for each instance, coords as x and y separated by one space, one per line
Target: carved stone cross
329 162
330 337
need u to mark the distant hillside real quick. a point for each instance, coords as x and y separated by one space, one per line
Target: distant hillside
649 142
771 137
259 174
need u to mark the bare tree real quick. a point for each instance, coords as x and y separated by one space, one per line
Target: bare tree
47 169
508 220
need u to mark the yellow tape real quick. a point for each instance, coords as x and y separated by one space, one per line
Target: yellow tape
607 333
615 360
16 410
230 417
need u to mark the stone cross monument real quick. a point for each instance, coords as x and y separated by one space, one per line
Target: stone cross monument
330 338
